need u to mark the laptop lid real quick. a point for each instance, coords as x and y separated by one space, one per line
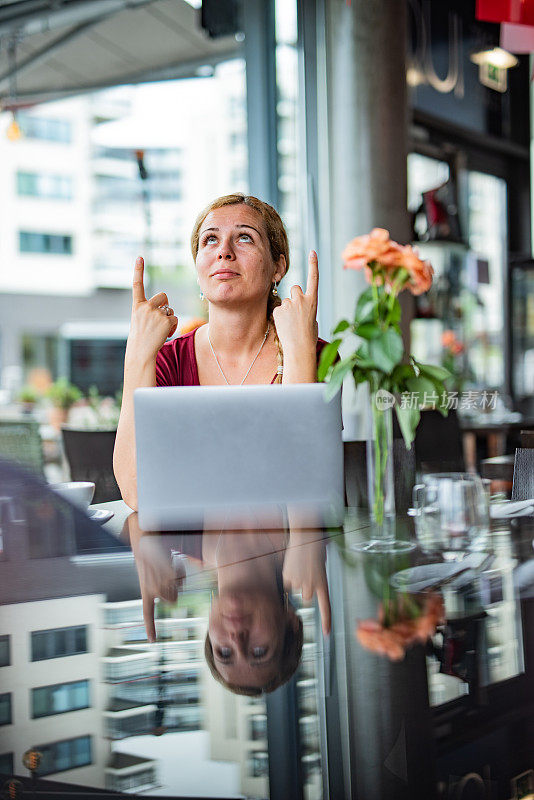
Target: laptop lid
221 456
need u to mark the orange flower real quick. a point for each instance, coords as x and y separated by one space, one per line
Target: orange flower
394 640
187 327
374 246
448 338
420 272
377 246
451 343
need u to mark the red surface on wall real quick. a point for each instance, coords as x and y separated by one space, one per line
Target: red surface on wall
520 12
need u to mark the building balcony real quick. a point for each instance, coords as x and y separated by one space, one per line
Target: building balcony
130 774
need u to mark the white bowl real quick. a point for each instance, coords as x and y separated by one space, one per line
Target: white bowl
80 493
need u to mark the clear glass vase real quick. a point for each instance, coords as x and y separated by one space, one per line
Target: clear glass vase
380 478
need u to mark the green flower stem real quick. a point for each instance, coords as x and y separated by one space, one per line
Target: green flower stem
396 287
374 287
381 454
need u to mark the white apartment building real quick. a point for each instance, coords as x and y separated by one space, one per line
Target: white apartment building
50 697
75 212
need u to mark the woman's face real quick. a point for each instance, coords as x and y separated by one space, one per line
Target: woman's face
234 261
246 631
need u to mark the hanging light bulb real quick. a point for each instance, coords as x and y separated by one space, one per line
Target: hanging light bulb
14 131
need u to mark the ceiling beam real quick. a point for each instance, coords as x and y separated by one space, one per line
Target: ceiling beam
180 70
48 17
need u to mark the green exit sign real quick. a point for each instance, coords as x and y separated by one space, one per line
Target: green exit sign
493 77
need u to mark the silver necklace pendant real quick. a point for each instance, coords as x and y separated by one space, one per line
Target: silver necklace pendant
253 360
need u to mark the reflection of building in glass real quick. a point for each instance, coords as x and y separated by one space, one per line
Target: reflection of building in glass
152 688
50 675
307 700
237 726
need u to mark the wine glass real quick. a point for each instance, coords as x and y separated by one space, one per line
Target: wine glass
451 514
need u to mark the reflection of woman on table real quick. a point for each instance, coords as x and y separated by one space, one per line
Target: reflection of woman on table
241 253
254 638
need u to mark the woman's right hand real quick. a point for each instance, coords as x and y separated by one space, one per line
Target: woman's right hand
150 325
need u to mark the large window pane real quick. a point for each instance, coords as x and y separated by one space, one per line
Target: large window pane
68 754
44 128
6 764
60 698
53 244
58 642
483 294
5 655
50 187
5 709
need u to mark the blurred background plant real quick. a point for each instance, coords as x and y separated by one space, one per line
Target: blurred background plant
455 362
97 412
63 394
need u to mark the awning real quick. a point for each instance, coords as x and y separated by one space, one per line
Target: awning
56 48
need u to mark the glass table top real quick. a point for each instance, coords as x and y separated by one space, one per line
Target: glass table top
258 664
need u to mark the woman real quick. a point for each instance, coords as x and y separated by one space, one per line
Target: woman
254 638
241 253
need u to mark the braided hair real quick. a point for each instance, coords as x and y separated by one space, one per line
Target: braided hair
276 235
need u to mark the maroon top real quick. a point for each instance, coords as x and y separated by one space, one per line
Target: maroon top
176 364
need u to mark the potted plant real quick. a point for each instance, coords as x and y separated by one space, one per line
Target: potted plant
63 395
395 378
28 396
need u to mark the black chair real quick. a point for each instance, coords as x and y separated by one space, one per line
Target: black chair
438 442
90 457
523 483
355 458
527 438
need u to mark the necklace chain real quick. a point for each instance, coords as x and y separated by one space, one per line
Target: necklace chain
252 364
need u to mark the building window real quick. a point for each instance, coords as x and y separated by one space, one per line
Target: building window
50 243
258 727
5 651
68 754
6 764
5 709
258 764
51 187
60 698
59 642
46 129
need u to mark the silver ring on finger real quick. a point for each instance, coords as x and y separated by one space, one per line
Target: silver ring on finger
166 310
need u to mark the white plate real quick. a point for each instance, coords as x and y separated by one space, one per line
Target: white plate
100 515
512 508
416 579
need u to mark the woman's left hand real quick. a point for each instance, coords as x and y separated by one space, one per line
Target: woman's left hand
296 317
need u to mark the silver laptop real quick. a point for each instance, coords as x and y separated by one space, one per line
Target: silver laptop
223 456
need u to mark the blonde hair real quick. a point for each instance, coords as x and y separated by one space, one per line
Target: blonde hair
276 235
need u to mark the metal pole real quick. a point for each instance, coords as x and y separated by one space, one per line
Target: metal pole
260 54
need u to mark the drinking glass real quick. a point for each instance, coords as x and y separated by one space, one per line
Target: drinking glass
451 513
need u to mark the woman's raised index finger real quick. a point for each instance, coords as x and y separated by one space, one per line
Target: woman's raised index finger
312 287
138 288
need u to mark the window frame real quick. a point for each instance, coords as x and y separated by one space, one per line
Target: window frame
50 689
64 630
6 638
